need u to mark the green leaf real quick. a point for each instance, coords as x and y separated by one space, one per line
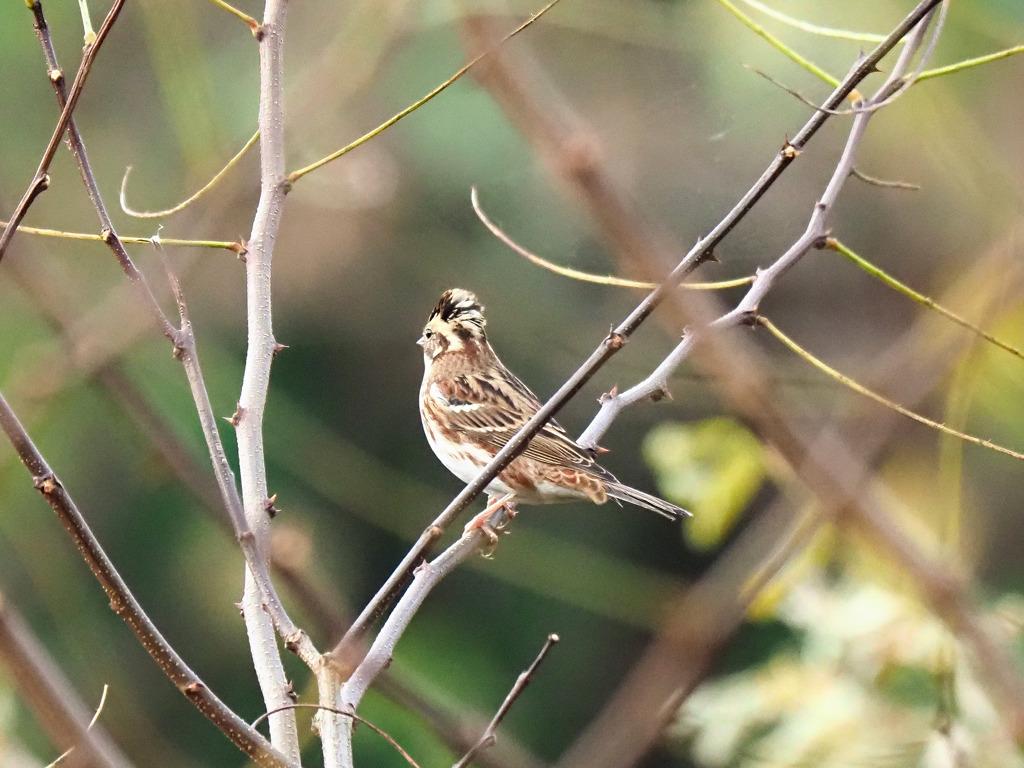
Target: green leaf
712 467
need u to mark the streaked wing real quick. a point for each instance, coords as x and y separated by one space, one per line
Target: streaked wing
491 408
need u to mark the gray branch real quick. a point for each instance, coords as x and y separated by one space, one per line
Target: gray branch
813 237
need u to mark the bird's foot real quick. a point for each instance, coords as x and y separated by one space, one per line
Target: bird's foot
481 522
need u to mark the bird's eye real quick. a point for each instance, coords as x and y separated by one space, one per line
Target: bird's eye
427 333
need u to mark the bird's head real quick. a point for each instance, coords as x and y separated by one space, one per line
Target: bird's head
456 324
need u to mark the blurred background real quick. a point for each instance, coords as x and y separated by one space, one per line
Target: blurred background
660 96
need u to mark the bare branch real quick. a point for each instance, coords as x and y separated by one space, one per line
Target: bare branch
122 197
41 180
261 346
522 681
701 251
424 579
263 606
814 236
124 604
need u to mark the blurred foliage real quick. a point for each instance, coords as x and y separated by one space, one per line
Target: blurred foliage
875 681
368 243
713 467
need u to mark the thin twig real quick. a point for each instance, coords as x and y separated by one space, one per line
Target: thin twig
586 277
250 22
41 180
862 390
124 604
488 738
134 240
880 274
615 340
92 722
122 197
379 656
352 716
883 183
296 175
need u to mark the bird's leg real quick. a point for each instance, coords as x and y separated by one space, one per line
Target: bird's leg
494 503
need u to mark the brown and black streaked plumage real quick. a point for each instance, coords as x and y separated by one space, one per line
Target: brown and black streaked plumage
472 405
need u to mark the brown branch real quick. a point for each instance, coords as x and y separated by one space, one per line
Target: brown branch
124 604
489 736
41 180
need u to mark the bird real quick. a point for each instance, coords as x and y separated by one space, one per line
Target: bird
471 405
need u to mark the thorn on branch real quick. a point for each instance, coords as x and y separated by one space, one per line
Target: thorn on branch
708 256
46 484
236 418
789 151
268 505
610 395
278 347
614 340
289 691
241 609
241 249
294 641
660 394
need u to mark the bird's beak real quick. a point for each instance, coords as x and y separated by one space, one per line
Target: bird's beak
421 341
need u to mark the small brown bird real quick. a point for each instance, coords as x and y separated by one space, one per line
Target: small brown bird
472 405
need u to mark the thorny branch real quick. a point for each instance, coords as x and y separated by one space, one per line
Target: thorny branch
343 654
944 592
265 596
41 180
489 736
124 604
456 729
248 418
613 728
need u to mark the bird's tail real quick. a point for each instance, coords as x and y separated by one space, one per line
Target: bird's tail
632 496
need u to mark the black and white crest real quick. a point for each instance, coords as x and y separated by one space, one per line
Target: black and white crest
458 305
